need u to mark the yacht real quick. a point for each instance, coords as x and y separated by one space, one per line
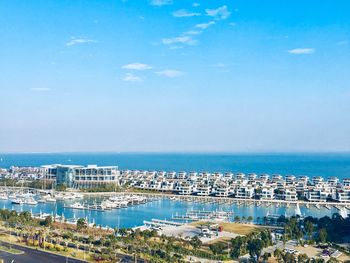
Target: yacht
31 201
17 201
3 196
50 199
77 206
13 196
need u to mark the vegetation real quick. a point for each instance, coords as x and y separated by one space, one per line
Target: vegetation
152 247
252 243
325 229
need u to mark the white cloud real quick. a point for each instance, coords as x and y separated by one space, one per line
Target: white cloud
185 13
196 4
192 32
220 65
137 66
343 43
77 41
205 25
181 39
302 51
219 13
40 89
170 73
161 2
132 78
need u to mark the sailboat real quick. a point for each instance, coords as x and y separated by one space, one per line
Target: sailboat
343 213
297 210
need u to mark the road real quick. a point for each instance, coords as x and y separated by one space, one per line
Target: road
38 256
34 256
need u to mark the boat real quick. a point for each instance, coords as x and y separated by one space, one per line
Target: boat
3 196
343 213
50 200
77 206
297 210
13 196
17 201
31 201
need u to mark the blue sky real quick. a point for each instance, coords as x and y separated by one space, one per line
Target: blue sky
162 75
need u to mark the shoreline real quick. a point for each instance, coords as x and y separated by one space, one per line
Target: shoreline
178 197
216 198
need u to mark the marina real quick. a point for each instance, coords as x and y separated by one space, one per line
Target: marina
145 207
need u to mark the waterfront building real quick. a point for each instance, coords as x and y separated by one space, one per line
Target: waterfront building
252 176
245 192
346 182
290 179
223 190
240 176
343 194
290 194
203 189
314 194
170 175
181 175
186 188
77 176
264 177
266 193
333 181
316 180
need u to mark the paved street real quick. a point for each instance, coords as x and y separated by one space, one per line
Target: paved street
34 256
38 256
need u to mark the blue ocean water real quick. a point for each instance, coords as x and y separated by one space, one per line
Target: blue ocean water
335 164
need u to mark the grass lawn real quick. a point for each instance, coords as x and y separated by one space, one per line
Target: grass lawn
240 229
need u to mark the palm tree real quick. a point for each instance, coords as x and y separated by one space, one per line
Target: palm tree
258 219
250 219
237 219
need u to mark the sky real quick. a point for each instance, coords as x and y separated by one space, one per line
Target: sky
175 76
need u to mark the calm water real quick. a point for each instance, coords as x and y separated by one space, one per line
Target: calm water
160 209
297 164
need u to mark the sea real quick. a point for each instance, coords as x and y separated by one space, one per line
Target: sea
315 164
310 164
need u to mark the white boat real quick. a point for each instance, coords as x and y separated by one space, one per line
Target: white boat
343 213
17 201
77 206
31 201
51 200
13 196
297 211
3 196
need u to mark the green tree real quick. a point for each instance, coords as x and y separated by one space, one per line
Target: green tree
237 219
48 221
309 228
195 242
255 247
322 235
81 224
217 248
302 258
